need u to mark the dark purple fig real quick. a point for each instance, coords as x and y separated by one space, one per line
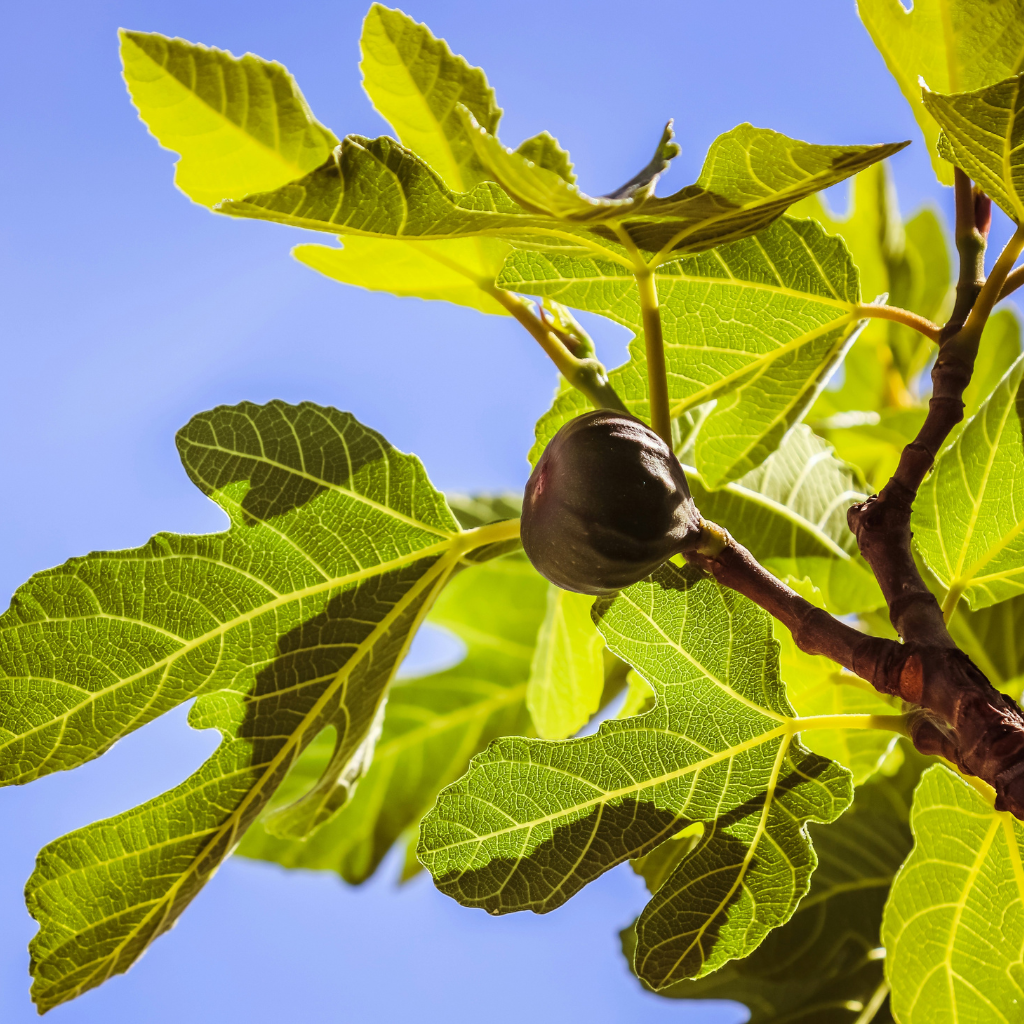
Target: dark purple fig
606 505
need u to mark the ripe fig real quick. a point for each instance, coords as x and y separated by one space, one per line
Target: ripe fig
607 504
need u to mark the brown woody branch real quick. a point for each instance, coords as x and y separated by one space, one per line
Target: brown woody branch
963 717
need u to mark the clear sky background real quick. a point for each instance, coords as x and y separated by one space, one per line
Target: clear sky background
126 309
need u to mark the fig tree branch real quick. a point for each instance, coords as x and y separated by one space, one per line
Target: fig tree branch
962 716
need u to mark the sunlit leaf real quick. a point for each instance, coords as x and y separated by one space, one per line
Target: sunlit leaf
380 188
998 351
817 686
790 513
459 270
750 177
567 676
954 923
292 620
981 134
967 521
432 725
873 441
826 963
542 189
416 84
533 820
240 124
993 638
543 150
955 45
758 325
377 187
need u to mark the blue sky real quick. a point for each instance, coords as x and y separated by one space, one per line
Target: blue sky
126 310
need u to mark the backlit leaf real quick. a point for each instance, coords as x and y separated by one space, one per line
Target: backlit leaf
533 820
750 177
826 963
416 84
955 45
954 923
968 521
999 350
790 513
377 187
291 621
432 725
983 133
817 686
240 124
758 325
567 675
458 270
993 638
542 189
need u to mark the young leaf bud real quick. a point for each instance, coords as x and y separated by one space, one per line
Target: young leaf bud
607 504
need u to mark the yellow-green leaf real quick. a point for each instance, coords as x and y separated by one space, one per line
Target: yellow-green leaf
567 674
239 124
983 134
954 45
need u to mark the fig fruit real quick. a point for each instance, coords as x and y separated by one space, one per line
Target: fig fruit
607 504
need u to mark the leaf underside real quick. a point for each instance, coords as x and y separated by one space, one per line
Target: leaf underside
291 621
533 821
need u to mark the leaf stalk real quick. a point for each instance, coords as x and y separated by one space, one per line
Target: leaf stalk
901 316
586 375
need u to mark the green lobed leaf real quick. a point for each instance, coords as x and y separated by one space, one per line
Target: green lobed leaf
954 923
872 228
417 84
967 520
759 325
458 270
993 638
826 963
749 178
999 349
543 150
533 820
239 124
955 45
378 188
291 621
983 134
816 685
381 188
873 441
432 725
546 190
790 513
910 264
567 673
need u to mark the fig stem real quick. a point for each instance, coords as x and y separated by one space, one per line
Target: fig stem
654 342
586 375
